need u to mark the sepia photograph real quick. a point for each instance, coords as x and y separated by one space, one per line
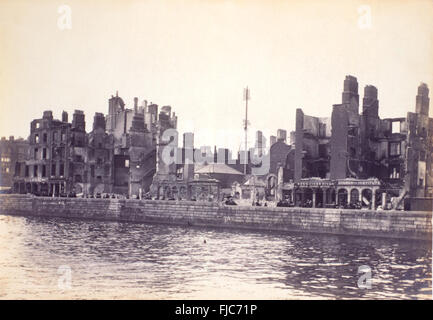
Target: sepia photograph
216 150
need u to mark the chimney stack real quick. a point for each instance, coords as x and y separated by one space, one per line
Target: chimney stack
422 100
64 116
281 135
135 104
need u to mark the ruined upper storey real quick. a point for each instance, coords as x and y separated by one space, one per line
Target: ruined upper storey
422 100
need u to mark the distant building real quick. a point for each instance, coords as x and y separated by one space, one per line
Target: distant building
13 153
260 143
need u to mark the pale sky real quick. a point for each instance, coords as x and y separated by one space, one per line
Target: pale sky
197 56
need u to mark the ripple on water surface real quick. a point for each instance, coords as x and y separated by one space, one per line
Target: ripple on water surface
127 260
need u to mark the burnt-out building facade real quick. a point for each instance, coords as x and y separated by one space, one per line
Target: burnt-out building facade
356 157
100 161
47 169
57 160
419 153
118 156
135 134
312 146
345 134
78 155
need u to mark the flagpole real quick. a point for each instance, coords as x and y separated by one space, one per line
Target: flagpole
246 98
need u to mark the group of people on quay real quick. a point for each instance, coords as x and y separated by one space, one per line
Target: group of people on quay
225 200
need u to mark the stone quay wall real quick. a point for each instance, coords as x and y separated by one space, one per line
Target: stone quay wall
390 224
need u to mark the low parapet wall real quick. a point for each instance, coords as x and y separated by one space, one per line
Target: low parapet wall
392 224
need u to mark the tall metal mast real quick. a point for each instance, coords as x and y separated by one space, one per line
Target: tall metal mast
246 123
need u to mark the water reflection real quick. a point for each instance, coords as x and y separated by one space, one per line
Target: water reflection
127 260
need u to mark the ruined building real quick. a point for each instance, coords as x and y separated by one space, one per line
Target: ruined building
100 157
352 157
176 177
49 161
355 157
13 153
117 156
419 156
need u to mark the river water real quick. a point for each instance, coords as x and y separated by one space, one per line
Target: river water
44 258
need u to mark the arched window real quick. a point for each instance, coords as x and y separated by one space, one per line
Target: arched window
354 196
342 197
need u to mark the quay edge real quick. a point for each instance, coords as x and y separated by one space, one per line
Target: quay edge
416 225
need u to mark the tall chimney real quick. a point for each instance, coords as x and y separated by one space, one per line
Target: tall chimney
350 95
64 116
135 104
422 100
